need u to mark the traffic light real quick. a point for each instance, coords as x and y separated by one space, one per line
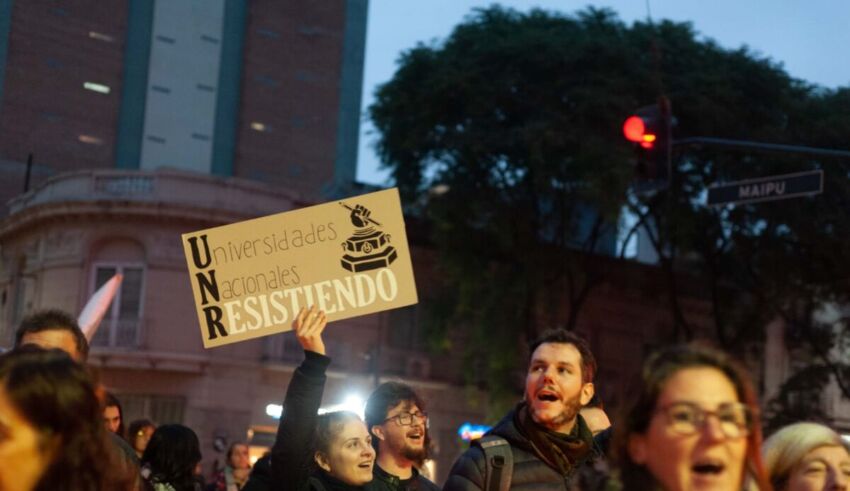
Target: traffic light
650 129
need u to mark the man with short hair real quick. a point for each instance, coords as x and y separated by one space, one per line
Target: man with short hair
53 329
543 440
398 423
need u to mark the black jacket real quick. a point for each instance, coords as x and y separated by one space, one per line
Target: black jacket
529 472
384 481
292 466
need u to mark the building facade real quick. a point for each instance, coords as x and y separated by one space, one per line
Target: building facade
65 238
265 90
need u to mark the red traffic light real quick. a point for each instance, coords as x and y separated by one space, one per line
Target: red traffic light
635 130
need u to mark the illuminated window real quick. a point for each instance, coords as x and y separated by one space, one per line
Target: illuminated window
91 140
101 36
257 126
103 89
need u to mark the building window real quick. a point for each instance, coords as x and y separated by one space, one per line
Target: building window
261 127
90 140
160 409
96 87
121 326
268 33
101 36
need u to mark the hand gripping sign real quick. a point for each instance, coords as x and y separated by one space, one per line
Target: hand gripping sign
347 257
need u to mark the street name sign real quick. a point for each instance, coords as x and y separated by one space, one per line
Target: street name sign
767 188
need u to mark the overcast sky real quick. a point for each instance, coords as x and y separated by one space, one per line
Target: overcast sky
809 37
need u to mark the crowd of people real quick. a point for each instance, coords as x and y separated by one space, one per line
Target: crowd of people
693 423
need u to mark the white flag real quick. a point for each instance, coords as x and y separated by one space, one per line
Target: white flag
97 306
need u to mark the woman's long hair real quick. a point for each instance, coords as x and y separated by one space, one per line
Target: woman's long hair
656 372
171 457
58 398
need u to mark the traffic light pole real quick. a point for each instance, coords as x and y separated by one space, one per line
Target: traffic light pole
749 145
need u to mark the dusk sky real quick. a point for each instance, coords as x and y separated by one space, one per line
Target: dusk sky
809 38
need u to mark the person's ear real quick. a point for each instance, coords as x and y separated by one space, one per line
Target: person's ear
378 432
322 461
587 391
637 448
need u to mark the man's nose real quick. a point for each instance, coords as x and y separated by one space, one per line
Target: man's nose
549 374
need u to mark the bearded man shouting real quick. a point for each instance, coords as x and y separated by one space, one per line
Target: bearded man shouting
396 418
544 441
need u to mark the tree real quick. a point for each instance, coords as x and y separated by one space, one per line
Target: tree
506 137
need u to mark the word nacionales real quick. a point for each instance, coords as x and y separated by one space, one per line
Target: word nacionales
280 306
274 280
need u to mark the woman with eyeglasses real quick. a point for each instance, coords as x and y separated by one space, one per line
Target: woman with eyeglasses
693 425
807 457
139 434
331 452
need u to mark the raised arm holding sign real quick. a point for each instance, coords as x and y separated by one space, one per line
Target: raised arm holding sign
312 452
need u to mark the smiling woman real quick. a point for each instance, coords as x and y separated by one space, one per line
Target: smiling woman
692 425
311 452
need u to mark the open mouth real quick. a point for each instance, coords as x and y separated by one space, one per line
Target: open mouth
365 465
547 396
708 468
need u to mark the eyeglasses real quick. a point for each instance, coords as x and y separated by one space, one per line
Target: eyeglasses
406 419
687 418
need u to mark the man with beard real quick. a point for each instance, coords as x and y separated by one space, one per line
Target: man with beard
544 441
396 418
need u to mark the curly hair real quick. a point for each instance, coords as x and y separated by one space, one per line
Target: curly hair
58 398
387 396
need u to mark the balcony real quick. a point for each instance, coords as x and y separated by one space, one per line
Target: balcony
118 333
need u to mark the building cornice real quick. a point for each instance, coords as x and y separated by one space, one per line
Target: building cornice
121 195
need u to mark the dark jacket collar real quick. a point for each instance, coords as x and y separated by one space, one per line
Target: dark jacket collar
383 475
330 483
506 428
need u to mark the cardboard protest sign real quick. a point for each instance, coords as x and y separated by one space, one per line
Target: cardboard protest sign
348 257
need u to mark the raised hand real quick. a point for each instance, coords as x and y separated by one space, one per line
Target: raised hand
308 327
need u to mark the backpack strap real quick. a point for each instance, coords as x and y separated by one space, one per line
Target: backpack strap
499 463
